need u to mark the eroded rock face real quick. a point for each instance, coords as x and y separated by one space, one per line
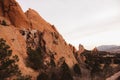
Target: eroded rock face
54 42
1 8
11 10
31 30
31 37
18 45
37 22
81 49
78 55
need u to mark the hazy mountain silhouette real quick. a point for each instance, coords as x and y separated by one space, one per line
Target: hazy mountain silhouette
109 48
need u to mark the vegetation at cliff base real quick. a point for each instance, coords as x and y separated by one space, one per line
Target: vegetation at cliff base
8 63
35 58
66 73
77 69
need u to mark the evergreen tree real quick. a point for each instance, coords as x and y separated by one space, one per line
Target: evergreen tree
35 58
4 23
52 62
8 66
66 73
93 64
8 63
42 76
76 69
54 76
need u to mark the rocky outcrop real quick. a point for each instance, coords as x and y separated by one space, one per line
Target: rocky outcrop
78 53
37 22
11 10
81 49
95 51
18 45
31 30
1 8
54 42
73 49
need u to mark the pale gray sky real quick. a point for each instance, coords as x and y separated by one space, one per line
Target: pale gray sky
88 22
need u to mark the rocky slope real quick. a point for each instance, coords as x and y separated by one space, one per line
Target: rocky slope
20 25
29 29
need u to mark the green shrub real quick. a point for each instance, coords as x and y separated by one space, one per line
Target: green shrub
92 64
66 73
8 63
35 58
52 62
4 23
8 66
54 76
42 76
76 69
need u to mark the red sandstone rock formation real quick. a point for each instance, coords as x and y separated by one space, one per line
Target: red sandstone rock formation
11 10
31 23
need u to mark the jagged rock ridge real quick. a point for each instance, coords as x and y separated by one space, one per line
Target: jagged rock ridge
29 29
10 9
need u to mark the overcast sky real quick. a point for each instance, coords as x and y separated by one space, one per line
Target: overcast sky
87 22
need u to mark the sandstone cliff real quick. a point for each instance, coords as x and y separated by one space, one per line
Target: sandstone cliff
11 10
20 25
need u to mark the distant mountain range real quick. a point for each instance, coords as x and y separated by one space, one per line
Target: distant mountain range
109 48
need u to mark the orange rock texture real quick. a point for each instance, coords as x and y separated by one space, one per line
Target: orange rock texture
32 22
